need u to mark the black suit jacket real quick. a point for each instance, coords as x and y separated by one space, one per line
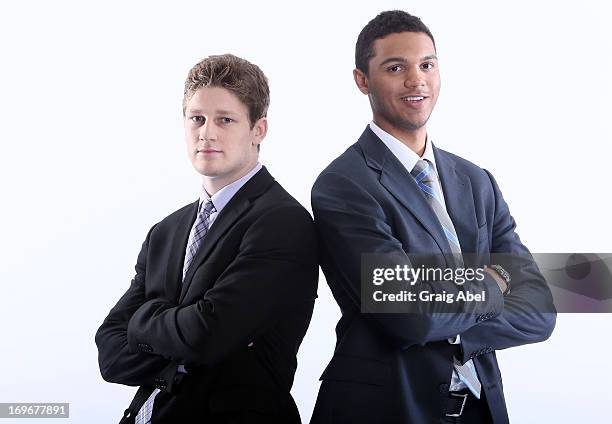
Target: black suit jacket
237 320
396 368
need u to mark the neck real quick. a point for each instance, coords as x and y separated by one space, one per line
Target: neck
214 183
413 139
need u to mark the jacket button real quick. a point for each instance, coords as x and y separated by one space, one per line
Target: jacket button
443 388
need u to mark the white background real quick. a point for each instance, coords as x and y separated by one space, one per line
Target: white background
93 155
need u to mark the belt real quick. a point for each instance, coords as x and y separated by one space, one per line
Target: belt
455 404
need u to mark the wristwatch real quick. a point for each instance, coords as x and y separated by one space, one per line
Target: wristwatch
503 274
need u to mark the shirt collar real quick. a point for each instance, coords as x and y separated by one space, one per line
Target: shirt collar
223 196
403 153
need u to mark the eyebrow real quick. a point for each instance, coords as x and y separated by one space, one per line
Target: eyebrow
218 111
224 112
402 60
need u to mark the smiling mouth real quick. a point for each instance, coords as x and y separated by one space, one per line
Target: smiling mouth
413 99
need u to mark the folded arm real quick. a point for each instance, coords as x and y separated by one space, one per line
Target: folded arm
528 315
118 364
276 269
351 222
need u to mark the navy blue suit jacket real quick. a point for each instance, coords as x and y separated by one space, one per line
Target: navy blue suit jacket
396 368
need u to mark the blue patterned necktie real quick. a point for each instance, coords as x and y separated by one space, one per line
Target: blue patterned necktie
198 231
427 180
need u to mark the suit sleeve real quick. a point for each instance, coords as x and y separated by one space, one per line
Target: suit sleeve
275 270
528 315
350 222
117 363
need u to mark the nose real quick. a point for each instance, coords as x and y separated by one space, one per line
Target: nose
414 78
207 131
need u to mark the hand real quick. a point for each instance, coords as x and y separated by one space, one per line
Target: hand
498 278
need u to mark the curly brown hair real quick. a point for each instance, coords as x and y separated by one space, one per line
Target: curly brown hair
241 77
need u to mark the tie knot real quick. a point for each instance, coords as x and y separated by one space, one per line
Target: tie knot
423 172
207 208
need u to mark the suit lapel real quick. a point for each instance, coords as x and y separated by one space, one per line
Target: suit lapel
236 207
459 200
398 181
176 259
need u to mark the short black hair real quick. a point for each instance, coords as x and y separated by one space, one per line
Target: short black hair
389 22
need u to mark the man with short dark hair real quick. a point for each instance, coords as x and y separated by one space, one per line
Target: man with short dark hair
225 286
395 194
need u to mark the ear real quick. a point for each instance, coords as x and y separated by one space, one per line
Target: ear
260 130
361 80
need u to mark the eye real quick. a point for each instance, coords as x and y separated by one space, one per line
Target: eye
197 119
395 68
226 120
427 65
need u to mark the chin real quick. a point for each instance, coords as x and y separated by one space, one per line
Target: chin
205 165
206 170
414 124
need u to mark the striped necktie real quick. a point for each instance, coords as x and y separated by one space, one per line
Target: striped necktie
427 180
198 231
